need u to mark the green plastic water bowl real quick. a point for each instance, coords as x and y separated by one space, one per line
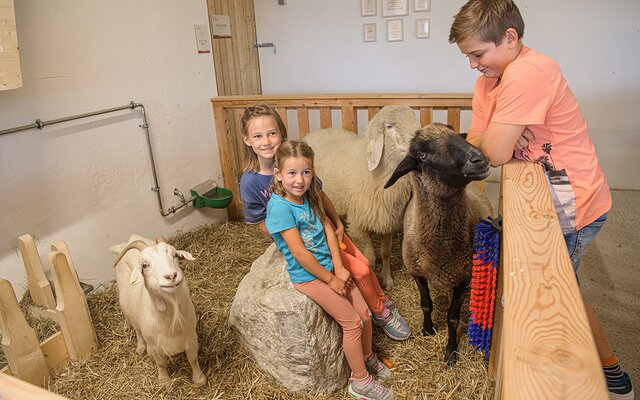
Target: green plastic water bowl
209 194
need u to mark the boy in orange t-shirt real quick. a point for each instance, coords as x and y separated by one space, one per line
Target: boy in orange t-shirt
523 108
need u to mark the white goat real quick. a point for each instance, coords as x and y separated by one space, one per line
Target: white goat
354 170
154 296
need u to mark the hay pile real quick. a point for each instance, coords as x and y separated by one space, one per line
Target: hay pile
223 256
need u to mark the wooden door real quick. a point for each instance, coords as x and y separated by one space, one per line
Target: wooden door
235 58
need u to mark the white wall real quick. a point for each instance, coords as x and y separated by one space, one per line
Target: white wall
320 50
88 182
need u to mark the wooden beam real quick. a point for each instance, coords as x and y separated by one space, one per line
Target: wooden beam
547 350
72 309
37 282
19 342
15 389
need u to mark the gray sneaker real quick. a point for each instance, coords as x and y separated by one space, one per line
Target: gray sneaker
370 391
394 327
377 368
391 306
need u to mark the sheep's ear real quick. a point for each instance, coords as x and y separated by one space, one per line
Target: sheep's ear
136 275
185 255
374 149
464 135
407 165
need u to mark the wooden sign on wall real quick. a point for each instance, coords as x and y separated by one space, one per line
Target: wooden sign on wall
10 75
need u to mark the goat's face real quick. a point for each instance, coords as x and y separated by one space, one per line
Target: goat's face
159 267
442 156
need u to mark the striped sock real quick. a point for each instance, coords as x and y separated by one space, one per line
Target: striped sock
612 370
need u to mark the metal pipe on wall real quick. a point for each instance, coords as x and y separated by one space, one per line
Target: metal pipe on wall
39 124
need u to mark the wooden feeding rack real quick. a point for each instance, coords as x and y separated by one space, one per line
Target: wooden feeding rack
29 360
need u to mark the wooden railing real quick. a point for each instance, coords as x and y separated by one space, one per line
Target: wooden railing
542 345
227 111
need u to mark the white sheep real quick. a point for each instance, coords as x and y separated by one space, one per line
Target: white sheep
154 296
439 224
354 169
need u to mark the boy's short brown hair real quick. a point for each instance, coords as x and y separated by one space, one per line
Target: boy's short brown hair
487 20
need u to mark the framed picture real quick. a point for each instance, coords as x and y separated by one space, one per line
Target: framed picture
368 8
421 5
395 8
395 31
422 28
369 31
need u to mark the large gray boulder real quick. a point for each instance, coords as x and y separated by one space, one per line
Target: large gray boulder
289 336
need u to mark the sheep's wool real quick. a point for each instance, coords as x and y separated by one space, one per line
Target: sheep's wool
289 336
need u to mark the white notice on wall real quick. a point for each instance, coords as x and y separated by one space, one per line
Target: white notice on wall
202 39
221 26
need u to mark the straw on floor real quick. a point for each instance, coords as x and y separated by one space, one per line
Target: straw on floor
224 254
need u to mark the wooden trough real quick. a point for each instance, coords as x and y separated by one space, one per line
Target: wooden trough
33 362
542 345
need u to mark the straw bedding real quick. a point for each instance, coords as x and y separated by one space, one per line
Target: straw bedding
224 254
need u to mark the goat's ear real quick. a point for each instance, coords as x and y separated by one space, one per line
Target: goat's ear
464 135
407 165
185 255
136 274
374 148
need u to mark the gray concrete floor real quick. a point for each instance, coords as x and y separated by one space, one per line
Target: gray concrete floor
610 276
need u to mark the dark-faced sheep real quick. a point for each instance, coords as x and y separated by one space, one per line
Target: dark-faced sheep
439 223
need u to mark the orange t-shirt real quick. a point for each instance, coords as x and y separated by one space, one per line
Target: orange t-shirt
533 92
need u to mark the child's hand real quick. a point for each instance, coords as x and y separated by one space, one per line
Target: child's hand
340 232
524 139
338 285
344 275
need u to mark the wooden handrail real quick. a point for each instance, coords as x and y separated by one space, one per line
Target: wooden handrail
542 345
227 111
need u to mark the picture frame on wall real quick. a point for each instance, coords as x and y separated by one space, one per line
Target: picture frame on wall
422 28
368 8
369 32
421 5
395 8
395 30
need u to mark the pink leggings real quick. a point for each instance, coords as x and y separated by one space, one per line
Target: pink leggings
352 313
358 265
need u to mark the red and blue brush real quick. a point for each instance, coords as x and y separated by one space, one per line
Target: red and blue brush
483 283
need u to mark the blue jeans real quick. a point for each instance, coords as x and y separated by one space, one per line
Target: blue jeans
578 241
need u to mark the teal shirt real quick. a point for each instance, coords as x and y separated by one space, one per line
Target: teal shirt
282 215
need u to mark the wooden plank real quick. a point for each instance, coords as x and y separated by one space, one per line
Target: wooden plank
236 132
426 116
12 388
282 111
547 348
229 173
19 342
55 353
73 312
37 282
372 111
453 118
325 118
303 122
349 119
10 71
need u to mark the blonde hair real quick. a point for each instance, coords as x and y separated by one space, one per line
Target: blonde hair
294 148
249 114
487 20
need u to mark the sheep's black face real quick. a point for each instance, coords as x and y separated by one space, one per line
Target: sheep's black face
443 156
